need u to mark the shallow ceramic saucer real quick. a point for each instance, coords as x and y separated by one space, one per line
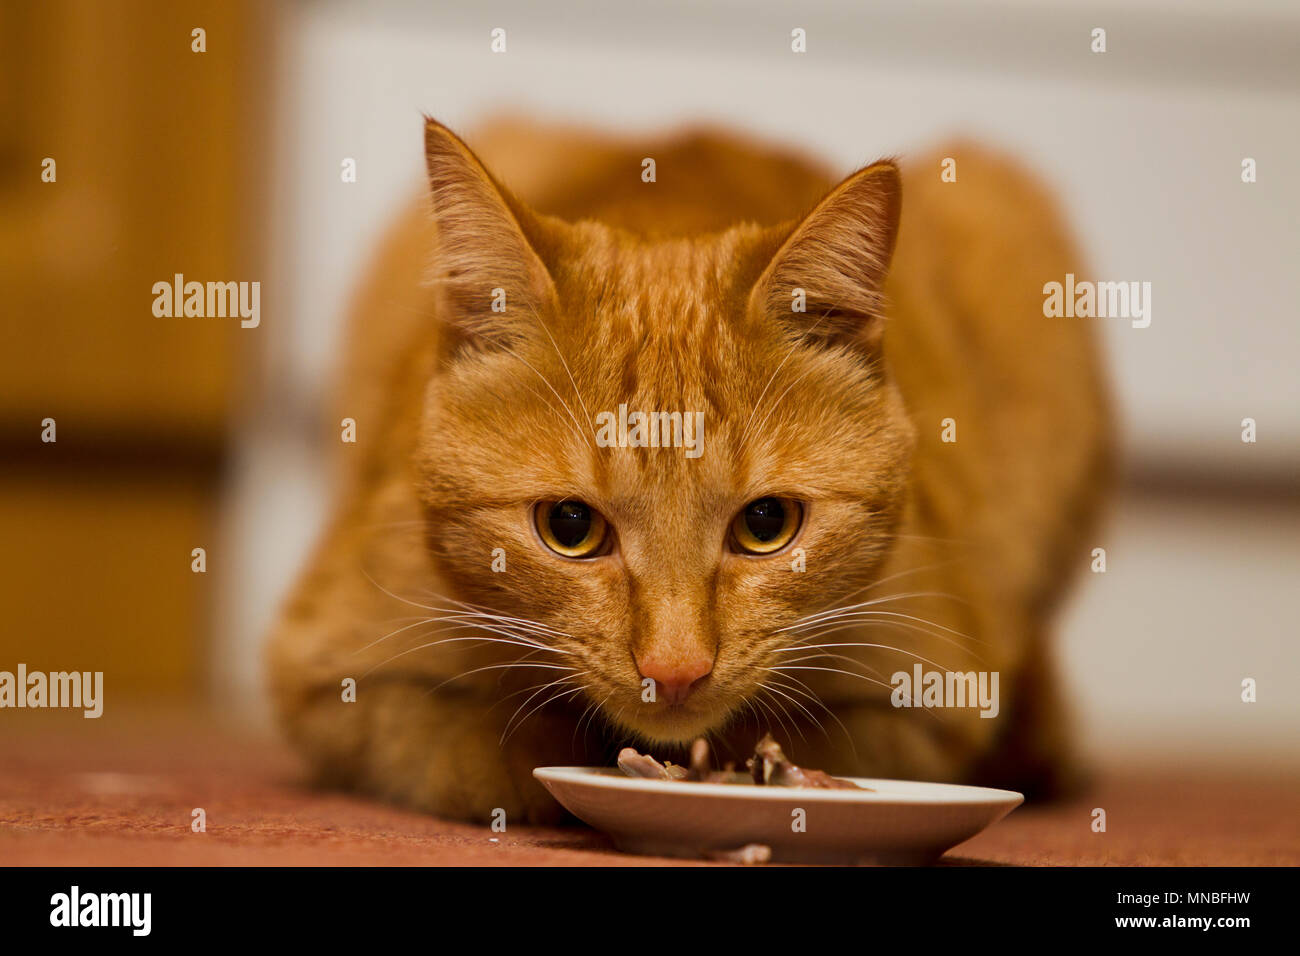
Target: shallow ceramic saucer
895 822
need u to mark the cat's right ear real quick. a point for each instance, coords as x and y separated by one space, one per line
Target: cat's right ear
827 277
492 280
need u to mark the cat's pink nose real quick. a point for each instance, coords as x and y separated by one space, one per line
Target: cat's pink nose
674 680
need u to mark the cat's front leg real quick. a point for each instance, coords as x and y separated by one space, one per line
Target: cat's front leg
438 752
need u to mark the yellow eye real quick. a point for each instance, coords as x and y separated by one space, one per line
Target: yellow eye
571 528
766 525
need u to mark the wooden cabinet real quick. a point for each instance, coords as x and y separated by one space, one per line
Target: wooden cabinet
158 169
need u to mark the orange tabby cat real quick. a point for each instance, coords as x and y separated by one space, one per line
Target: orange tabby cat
897 462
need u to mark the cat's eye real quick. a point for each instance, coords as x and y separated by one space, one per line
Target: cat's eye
571 528
766 525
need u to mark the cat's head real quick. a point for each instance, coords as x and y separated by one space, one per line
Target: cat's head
758 353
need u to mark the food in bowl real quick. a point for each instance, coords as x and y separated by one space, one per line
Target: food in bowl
769 767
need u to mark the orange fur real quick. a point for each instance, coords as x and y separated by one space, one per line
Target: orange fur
676 296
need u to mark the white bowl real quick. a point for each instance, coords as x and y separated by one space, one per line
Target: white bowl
895 822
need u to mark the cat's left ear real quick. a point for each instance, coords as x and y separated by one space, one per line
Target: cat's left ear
838 256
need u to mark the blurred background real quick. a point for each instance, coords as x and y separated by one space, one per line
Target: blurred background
175 434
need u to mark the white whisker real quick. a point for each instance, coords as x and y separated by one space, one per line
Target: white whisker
550 700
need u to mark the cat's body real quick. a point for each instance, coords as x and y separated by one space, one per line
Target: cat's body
467 417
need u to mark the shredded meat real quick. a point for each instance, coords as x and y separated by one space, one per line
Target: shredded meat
771 767
768 767
749 854
643 765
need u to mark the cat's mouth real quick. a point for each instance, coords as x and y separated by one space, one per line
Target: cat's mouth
673 723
